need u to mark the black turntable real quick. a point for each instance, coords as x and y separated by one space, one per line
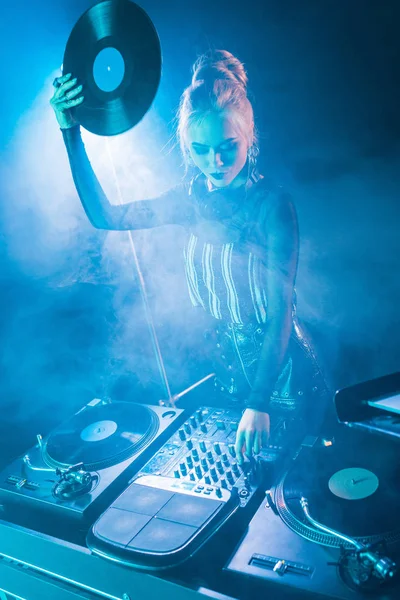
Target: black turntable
331 525
74 471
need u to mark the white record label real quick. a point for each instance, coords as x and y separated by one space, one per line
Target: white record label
100 430
354 483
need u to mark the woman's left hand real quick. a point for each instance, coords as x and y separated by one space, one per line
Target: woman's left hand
252 433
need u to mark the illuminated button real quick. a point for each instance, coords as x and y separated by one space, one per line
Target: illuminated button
203 446
182 434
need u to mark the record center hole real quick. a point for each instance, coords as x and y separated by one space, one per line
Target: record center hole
108 69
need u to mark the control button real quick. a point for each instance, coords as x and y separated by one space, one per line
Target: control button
197 491
213 474
206 492
189 461
235 469
200 487
182 434
225 459
189 443
183 468
223 483
234 425
207 479
176 473
217 448
203 446
219 466
218 492
230 477
231 449
199 415
198 470
220 424
210 456
187 428
203 427
195 454
193 421
209 489
204 464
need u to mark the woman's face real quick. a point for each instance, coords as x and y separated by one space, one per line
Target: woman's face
217 148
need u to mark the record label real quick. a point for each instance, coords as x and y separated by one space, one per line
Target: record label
98 431
353 484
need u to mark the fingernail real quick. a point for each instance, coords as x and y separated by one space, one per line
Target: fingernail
68 75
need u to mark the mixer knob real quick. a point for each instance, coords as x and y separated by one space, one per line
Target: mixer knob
210 456
204 464
223 483
203 427
189 461
219 466
195 454
182 434
203 446
213 474
235 469
230 477
177 474
199 472
183 468
193 421
207 479
192 477
187 428
189 443
218 492
199 415
220 424
225 459
232 450
217 448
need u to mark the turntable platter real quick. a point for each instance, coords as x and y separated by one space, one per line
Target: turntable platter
101 436
349 489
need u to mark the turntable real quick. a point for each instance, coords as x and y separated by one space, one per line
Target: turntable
74 472
331 525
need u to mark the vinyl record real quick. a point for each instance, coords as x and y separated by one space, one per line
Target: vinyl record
114 52
101 436
353 490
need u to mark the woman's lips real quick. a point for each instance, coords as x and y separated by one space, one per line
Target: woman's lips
218 175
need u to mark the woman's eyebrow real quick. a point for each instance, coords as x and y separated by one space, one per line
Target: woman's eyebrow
220 144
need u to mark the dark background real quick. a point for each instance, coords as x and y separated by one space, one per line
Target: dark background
324 77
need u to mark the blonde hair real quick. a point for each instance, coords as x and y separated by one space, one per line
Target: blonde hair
219 84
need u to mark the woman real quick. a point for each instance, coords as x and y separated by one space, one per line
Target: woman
242 244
